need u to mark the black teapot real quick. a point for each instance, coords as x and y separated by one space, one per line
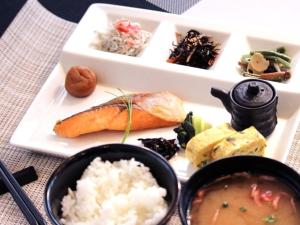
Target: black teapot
251 102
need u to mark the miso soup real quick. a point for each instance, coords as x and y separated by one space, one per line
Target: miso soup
244 199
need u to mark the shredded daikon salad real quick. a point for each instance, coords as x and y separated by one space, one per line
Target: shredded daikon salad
124 37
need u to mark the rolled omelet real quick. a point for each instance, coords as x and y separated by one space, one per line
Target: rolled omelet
199 148
246 142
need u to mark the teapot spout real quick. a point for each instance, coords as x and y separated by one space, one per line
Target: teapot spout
223 96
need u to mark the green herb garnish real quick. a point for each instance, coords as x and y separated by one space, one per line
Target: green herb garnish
127 100
243 209
225 204
270 219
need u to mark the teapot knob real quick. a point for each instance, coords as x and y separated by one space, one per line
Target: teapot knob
253 89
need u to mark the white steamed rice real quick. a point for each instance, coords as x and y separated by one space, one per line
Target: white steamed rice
123 192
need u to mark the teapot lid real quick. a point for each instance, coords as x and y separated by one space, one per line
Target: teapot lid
253 93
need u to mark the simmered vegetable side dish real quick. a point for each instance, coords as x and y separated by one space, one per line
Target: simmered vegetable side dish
245 199
267 65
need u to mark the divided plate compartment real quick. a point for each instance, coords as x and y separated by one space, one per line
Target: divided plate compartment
164 28
244 43
148 72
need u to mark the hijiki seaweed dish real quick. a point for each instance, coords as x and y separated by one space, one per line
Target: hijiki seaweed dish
195 50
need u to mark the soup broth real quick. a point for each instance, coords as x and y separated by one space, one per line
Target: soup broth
244 199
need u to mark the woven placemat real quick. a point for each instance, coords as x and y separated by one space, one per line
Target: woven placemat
29 50
174 6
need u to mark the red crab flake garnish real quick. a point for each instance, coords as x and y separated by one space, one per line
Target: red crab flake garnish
125 26
267 196
255 194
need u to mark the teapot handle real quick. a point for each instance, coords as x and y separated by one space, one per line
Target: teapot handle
223 96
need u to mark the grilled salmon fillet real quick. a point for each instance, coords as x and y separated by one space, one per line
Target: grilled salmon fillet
149 110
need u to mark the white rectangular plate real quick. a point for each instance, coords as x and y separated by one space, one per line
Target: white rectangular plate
146 73
53 103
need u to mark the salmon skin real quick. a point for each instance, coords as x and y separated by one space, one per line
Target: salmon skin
149 110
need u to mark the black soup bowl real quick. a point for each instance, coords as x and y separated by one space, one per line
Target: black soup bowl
227 166
71 170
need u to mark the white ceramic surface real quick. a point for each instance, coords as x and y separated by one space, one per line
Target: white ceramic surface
275 18
147 73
